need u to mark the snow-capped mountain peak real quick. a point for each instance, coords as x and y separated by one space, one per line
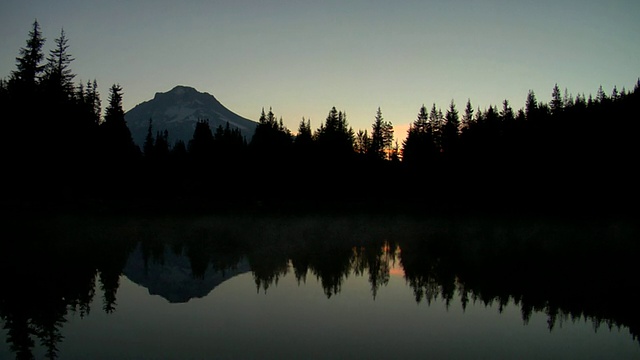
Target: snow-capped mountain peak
178 110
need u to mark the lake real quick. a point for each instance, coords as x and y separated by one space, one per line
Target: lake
318 286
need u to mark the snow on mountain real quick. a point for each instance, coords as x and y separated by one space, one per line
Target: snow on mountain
178 111
171 277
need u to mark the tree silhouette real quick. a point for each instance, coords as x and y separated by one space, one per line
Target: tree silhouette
362 142
29 62
419 147
117 140
450 131
271 139
335 138
381 138
556 105
58 77
531 106
303 144
201 145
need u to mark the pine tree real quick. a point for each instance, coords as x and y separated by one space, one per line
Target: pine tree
436 121
92 101
114 112
381 137
531 105
450 130
271 137
304 136
419 146
362 142
567 99
556 104
28 63
57 74
615 95
116 135
335 137
601 96
201 144
467 118
507 112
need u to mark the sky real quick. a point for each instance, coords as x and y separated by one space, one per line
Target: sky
301 57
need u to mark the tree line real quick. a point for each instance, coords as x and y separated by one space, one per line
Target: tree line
576 152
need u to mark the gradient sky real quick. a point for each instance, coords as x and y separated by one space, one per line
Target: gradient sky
303 57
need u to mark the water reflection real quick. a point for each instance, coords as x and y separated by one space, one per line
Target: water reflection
567 270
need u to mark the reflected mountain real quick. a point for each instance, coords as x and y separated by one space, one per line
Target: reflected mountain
172 277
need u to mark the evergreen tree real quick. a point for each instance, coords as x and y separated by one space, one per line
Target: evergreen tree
467 118
381 137
92 101
419 145
436 120
57 74
271 138
229 145
28 63
362 142
556 104
567 99
304 138
335 137
201 144
450 130
601 96
117 140
615 95
531 105
507 112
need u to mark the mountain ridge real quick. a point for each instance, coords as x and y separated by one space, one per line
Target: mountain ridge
178 110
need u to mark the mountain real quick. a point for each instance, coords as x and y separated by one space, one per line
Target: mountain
178 111
171 276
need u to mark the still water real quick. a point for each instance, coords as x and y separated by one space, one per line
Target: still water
318 287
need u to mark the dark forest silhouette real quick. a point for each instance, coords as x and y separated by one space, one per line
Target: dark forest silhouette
573 153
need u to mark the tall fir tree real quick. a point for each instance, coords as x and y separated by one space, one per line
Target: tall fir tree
419 148
381 137
507 112
531 105
556 105
335 137
201 145
58 77
304 137
362 142
29 65
450 130
467 118
116 136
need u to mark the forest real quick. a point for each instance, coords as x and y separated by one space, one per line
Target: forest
573 154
